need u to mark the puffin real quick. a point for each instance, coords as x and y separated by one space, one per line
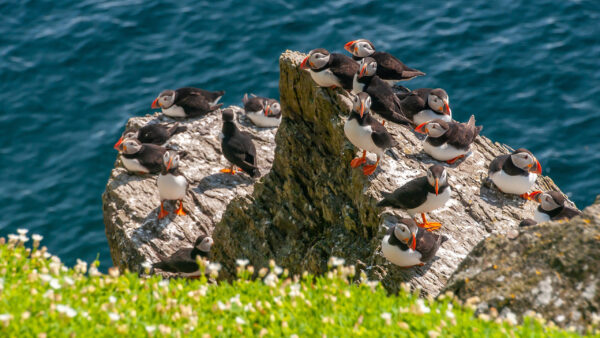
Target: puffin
421 195
515 173
237 147
153 133
390 69
552 207
448 141
141 158
187 102
172 185
424 104
183 261
262 111
385 102
407 245
366 133
331 70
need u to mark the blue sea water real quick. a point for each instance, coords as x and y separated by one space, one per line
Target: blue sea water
73 72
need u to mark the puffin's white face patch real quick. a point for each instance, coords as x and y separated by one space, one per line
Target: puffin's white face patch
523 160
435 130
435 103
318 60
548 202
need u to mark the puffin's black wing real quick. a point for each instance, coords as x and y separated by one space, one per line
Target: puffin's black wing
390 68
412 103
344 68
497 163
428 244
461 135
254 104
385 102
567 213
180 261
156 133
240 150
151 157
380 135
408 196
193 101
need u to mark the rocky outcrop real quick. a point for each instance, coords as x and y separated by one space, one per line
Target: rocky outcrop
552 269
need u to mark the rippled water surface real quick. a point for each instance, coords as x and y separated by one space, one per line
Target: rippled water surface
72 73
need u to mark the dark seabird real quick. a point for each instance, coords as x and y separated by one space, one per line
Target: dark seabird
153 133
172 185
407 245
515 173
237 147
187 102
552 207
183 261
448 141
141 158
425 104
330 70
262 111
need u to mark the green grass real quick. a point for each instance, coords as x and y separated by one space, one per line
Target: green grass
39 296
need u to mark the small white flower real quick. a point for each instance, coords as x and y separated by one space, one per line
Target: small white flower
68 280
242 262
54 283
240 321
222 306
235 300
422 307
5 317
278 270
336 261
113 316
66 310
23 239
386 316
12 238
164 283
150 328
270 280
294 290
214 267
112 299
22 232
37 238
47 255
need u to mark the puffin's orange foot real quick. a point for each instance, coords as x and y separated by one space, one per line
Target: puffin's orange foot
333 87
228 171
369 169
180 212
430 226
451 161
162 213
383 123
357 162
531 195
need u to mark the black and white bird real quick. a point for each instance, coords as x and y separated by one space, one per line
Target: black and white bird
407 245
262 111
424 104
389 68
183 261
552 207
172 184
366 133
141 158
420 195
237 147
187 102
515 173
384 100
448 141
330 70
153 133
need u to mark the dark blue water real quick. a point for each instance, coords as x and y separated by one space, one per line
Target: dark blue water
72 73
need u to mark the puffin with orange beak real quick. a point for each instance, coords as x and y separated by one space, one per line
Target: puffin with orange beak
187 102
552 207
420 195
366 133
262 111
390 69
424 104
153 133
141 158
407 245
237 146
331 70
515 173
172 185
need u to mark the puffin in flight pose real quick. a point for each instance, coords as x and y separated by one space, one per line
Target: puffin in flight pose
141 158
263 112
552 207
366 133
187 102
237 147
172 185
330 70
448 141
389 68
183 261
425 104
420 195
153 133
407 245
384 100
515 173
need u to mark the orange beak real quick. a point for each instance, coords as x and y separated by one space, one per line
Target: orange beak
362 71
362 109
169 164
535 196
155 104
420 128
538 167
267 109
446 108
116 146
348 46
303 64
414 242
436 186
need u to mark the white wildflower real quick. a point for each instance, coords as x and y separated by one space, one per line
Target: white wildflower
93 271
240 321
270 280
386 316
70 312
54 283
112 299
37 238
235 300
421 307
81 266
68 280
278 270
150 328
5 317
22 232
164 283
113 316
242 262
336 261
23 239
222 306
47 255
294 290
214 267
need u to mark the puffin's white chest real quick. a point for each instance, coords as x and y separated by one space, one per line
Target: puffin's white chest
443 152
133 165
517 185
540 216
398 256
357 87
259 119
360 136
171 187
175 111
432 202
325 78
428 115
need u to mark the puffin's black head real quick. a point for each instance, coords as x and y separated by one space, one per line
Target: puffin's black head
367 67
170 160
524 159
228 115
203 243
361 103
360 48
128 133
316 59
436 176
405 231
550 200
433 128
439 102
164 100
130 146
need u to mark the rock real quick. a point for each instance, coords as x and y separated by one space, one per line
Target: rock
312 205
551 268
131 202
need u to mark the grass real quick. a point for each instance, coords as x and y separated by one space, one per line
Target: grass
41 297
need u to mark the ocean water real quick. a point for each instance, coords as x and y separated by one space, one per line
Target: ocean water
72 73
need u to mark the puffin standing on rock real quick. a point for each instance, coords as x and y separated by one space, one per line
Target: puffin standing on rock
366 133
515 173
448 141
425 104
407 245
330 70
187 102
389 69
141 158
237 146
183 261
172 185
153 133
420 195
263 112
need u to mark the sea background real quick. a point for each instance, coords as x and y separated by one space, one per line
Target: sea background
73 72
